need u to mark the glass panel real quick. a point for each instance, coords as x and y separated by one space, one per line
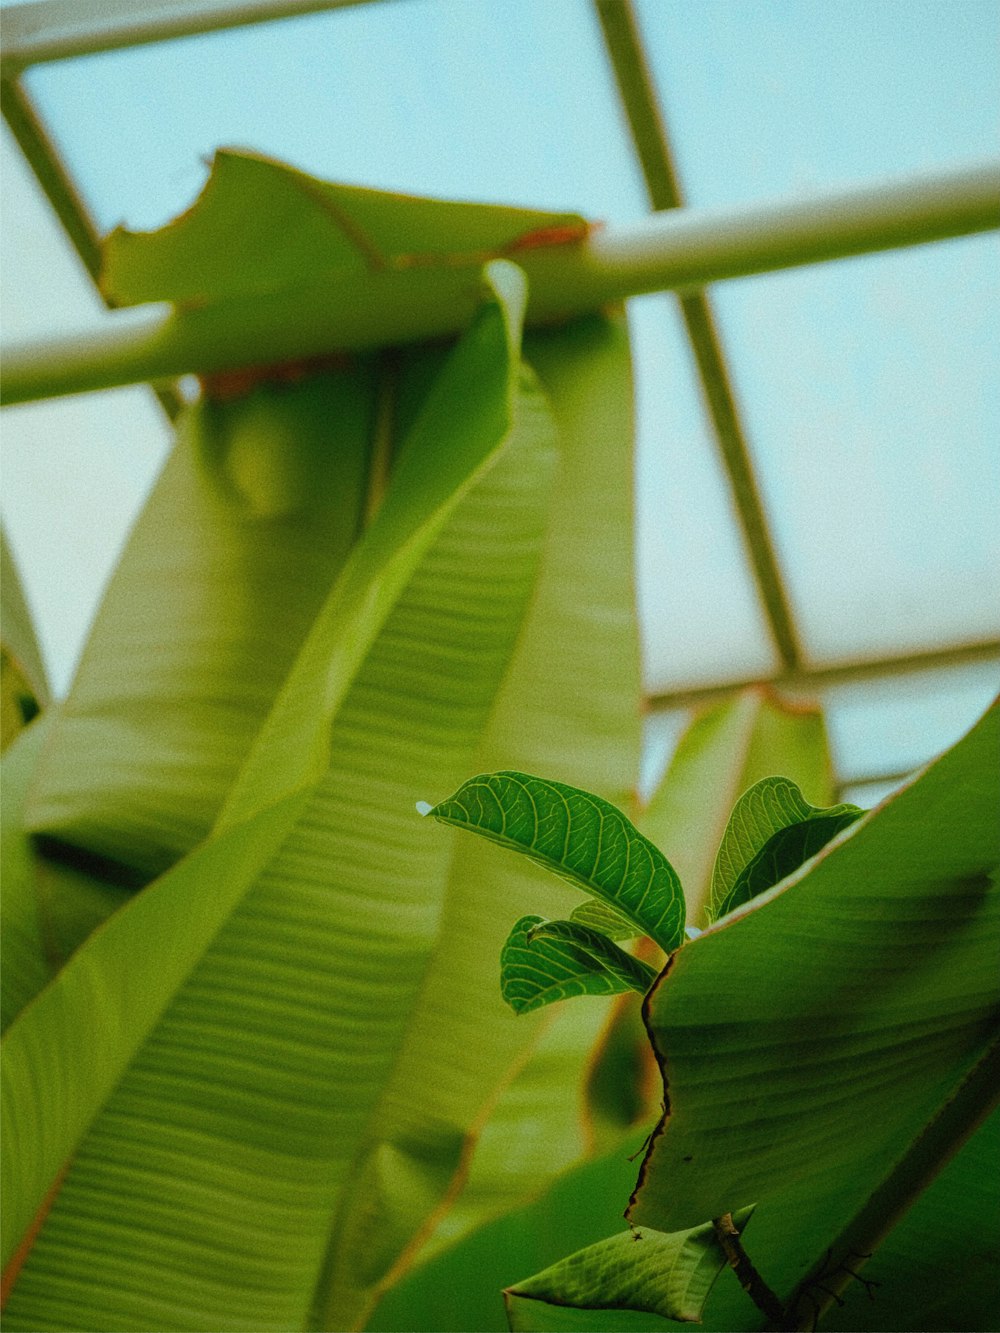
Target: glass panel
661 735
868 794
703 622
509 103
869 388
870 393
76 470
895 725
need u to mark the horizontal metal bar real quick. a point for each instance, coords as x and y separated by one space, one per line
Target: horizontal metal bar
33 34
810 679
677 249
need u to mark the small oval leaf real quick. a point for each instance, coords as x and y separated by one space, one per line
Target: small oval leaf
764 811
582 838
669 1274
544 961
599 916
783 854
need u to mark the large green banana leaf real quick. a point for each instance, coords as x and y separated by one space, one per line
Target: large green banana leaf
266 245
204 1067
262 227
258 505
219 582
290 757
569 704
276 1051
818 1044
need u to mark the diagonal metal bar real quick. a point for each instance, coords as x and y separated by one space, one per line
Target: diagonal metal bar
56 183
642 108
63 196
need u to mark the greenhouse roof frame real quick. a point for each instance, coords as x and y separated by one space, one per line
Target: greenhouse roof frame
633 260
62 29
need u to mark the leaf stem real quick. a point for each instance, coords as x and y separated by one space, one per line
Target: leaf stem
739 1261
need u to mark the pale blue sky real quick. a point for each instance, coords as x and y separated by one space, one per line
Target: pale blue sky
869 388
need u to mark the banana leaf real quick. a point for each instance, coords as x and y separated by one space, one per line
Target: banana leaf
252 518
184 1099
274 475
222 250
819 1045
569 705
269 1054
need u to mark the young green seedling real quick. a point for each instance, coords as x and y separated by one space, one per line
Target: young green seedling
633 888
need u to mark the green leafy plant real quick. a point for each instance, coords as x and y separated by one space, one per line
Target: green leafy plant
238 982
256 1074
868 956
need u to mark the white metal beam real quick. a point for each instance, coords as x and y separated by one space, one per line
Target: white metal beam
673 250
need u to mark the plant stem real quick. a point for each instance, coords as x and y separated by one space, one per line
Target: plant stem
739 1261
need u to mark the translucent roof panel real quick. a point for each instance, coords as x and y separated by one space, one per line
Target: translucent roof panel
512 103
768 99
702 618
868 388
870 397
896 725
